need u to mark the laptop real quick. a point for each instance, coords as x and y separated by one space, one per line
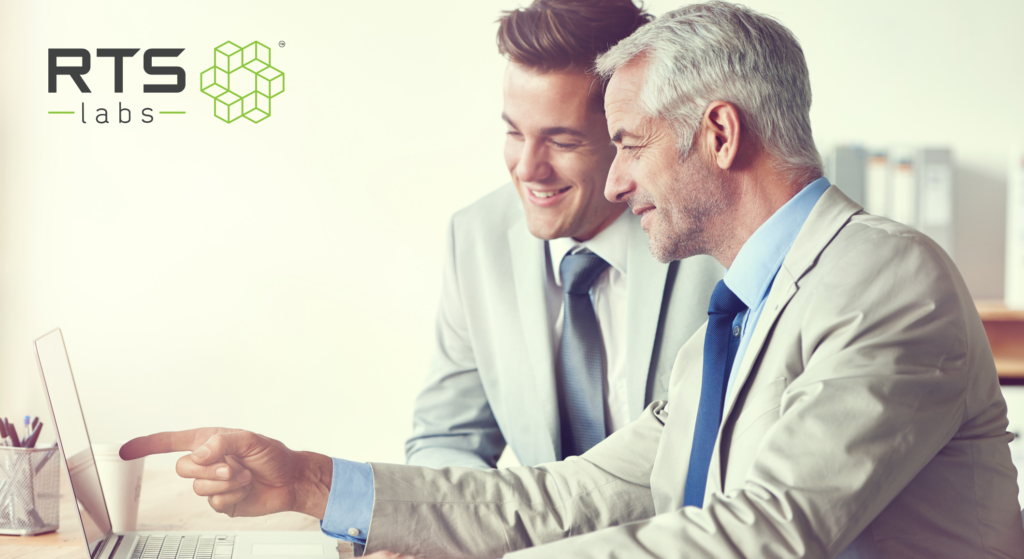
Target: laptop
101 541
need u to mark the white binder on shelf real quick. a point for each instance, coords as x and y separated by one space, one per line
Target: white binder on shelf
1014 288
876 184
935 195
902 204
845 167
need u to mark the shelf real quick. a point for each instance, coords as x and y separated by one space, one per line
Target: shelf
1005 330
1010 368
993 310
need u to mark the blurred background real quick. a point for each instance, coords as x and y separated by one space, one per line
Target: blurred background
283 276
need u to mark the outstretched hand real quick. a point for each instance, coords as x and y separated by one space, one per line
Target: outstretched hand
242 473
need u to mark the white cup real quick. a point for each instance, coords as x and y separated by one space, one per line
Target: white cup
122 485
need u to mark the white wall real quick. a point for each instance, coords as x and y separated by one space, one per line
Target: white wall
282 277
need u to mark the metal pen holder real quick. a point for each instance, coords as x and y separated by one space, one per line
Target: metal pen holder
29 490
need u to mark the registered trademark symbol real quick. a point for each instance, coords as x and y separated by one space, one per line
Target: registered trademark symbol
281 44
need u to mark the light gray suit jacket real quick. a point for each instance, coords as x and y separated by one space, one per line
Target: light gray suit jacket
492 380
865 421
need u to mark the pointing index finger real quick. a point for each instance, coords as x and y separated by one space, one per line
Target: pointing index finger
169 441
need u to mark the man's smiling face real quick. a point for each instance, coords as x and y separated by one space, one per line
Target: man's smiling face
675 197
558 152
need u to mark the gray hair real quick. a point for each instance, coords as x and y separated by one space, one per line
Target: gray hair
718 51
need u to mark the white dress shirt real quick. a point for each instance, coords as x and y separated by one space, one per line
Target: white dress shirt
608 294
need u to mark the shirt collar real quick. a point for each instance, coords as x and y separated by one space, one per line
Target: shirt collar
611 244
759 259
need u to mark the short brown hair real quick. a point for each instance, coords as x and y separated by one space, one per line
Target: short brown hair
553 35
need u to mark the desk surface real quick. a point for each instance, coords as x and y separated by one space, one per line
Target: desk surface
167 503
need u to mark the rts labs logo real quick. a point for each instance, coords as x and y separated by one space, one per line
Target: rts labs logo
242 82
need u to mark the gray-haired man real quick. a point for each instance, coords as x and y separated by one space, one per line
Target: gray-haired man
841 400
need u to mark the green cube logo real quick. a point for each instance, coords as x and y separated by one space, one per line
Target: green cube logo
242 82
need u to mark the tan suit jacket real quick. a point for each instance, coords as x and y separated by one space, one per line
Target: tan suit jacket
865 421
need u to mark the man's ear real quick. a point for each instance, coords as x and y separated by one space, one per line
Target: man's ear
721 124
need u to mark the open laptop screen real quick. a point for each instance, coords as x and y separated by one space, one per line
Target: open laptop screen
74 438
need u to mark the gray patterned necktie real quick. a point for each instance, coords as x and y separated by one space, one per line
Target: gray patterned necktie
580 358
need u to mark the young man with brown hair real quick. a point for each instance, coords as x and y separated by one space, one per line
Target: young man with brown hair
556 327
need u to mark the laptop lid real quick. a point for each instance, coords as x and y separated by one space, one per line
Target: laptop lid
62 395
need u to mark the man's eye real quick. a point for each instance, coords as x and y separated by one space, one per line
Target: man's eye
563 146
633 151
514 134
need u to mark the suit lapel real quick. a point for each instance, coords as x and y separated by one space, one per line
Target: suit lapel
828 217
529 268
645 287
783 289
781 292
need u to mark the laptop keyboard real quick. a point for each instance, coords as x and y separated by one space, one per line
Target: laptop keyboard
183 547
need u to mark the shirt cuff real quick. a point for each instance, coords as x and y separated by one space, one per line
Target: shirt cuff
350 503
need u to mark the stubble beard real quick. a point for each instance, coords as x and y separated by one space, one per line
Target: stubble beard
695 197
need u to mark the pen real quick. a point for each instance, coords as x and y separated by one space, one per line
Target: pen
3 433
13 434
34 436
28 428
10 432
26 442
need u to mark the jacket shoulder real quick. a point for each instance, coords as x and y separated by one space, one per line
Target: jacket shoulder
887 242
496 212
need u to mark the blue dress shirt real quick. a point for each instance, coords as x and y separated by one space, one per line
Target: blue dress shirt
758 262
753 270
350 502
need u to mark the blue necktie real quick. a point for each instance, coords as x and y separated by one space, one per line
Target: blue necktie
720 344
580 374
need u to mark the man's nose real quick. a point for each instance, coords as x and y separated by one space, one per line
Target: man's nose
619 184
533 163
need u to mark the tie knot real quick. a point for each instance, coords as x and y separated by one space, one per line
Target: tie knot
724 301
579 271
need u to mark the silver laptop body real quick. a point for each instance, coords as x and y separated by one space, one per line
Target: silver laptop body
101 541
